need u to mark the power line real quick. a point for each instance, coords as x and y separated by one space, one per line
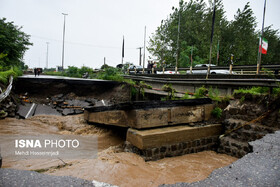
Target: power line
79 43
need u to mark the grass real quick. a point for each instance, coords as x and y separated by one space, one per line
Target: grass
258 91
253 91
55 73
109 73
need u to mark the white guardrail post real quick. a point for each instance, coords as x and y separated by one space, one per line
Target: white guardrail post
7 92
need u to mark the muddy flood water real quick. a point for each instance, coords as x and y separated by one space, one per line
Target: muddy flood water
113 165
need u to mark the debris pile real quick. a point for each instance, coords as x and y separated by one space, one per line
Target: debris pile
59 104
8 108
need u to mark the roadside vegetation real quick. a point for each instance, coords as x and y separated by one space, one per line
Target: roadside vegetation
258 91
5 75
13 44
221 101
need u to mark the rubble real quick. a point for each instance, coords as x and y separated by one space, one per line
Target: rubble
61 105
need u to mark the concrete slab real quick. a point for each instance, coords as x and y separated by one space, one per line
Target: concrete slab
79 103
141 115
68 111
27 110
158 137
45 110
115 117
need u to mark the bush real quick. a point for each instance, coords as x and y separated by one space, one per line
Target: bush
276 91
253 91
217 112
186 96
201 92
5 75
85 69
214 94
73 71
111 73
171 91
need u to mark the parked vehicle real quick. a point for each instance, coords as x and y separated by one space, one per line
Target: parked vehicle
212 71
133 67
168 72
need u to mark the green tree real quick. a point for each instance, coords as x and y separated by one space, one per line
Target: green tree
13 44
195 30
240 38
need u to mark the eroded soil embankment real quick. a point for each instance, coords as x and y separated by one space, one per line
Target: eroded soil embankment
45 87
112 165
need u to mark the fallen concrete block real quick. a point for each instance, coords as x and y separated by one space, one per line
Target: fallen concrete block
27 110
158 137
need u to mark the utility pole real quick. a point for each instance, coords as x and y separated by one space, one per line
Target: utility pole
178 37
191 60
218 52
47 59
260 45
144 48
64 15
123 50
140 55
212 34
104 61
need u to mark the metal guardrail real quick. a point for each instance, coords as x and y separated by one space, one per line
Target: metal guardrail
243 69
7 92
229 81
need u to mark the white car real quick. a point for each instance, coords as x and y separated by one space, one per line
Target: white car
133 67
212 71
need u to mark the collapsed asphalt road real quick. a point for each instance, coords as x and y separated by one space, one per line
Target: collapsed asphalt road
259 168
58 105
17 178
12 177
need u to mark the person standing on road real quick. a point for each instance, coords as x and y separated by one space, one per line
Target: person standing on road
149 67
155 66
35 71
38 71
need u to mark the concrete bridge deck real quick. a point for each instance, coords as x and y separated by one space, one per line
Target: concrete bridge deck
158 129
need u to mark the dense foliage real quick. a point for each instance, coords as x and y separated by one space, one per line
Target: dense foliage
13 44
238 37
5 75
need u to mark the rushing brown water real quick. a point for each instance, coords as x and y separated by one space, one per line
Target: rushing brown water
112 165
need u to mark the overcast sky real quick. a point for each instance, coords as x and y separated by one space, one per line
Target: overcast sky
95 28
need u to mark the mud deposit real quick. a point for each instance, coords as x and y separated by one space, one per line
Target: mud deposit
112 165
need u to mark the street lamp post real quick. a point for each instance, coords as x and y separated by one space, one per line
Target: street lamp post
47 59
64 15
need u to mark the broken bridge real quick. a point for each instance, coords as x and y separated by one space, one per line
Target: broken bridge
158 129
